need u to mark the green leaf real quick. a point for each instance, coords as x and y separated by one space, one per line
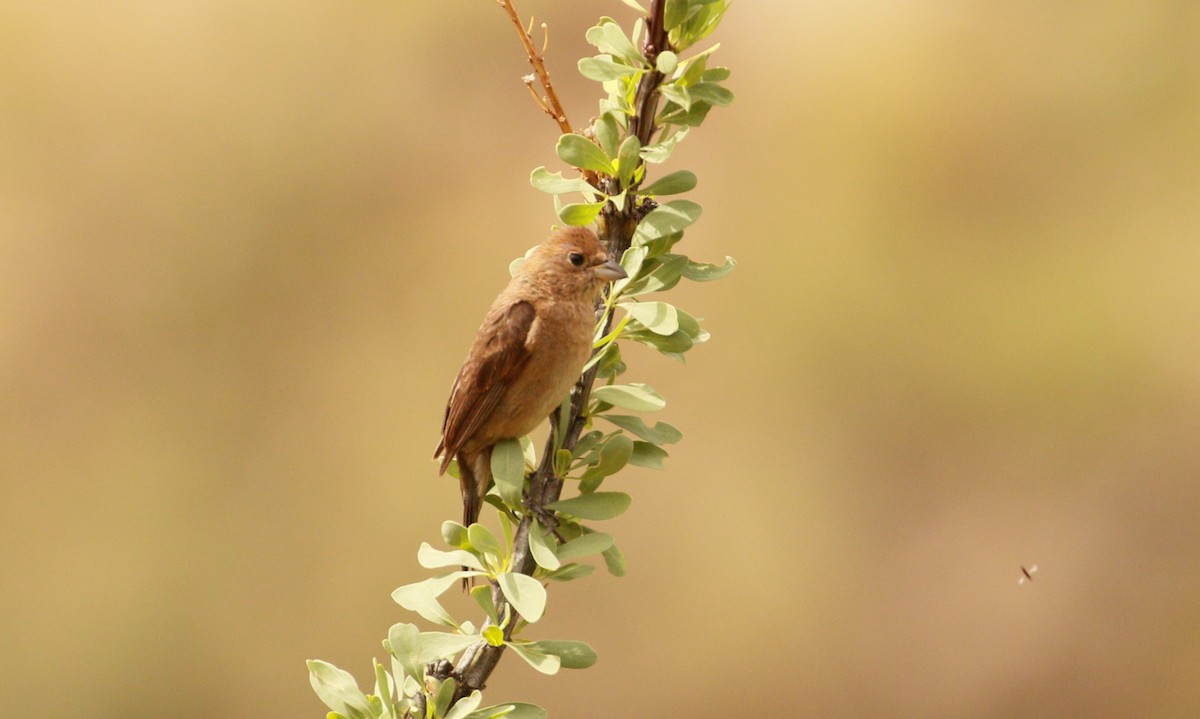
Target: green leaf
544 663
440 645
336 688
431 558
578 151
602 69
524 593
635 396
648 455
672 184
633 4
404 644
421 597
508 471
587 442
607 133
628 159
584 546
574 655
677 93
455 535
597 505
614 453
658 317
483 597
543 555
665 274
673 345
484 541
705 272
711 93
555 184
578 214
516 710
715 74
666 219
463 707
660 151
631 262
660 433
615 561
570 571
674 13
445 695
610 39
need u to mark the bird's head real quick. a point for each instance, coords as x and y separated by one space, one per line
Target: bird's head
572 260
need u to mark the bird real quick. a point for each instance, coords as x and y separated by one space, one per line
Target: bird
528 353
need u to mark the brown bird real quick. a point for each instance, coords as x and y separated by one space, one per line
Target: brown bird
528 353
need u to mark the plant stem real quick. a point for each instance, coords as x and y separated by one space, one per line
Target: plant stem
616 229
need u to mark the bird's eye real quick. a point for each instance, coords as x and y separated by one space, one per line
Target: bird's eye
576 258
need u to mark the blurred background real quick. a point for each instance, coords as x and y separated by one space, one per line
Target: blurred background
244 248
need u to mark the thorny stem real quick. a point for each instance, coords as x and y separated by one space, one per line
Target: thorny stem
616 232
549 101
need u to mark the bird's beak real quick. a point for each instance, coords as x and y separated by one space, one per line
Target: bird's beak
609 271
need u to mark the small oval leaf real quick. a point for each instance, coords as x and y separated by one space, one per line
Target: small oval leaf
595 506
636 396
526 594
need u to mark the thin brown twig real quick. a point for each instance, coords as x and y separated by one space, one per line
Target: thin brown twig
548 102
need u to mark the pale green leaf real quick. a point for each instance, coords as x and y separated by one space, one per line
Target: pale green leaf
666 219
635 396
614 560
584 546
509 711
574 655
463 707
508 470
570 571
705 272
647 455
431 558
440 645
539 547
336 688
660 151
555 184
658 317
614 454
595 506
660 433
672 184
484 541
607 133
602 68
628 159
610 39
404 644
524 593
578 151
455 534
421 597
578 214
544 663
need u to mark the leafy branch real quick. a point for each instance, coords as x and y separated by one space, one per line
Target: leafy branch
441 674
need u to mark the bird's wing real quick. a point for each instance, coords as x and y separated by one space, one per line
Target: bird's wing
495 360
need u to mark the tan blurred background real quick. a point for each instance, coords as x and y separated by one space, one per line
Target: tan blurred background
244 246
